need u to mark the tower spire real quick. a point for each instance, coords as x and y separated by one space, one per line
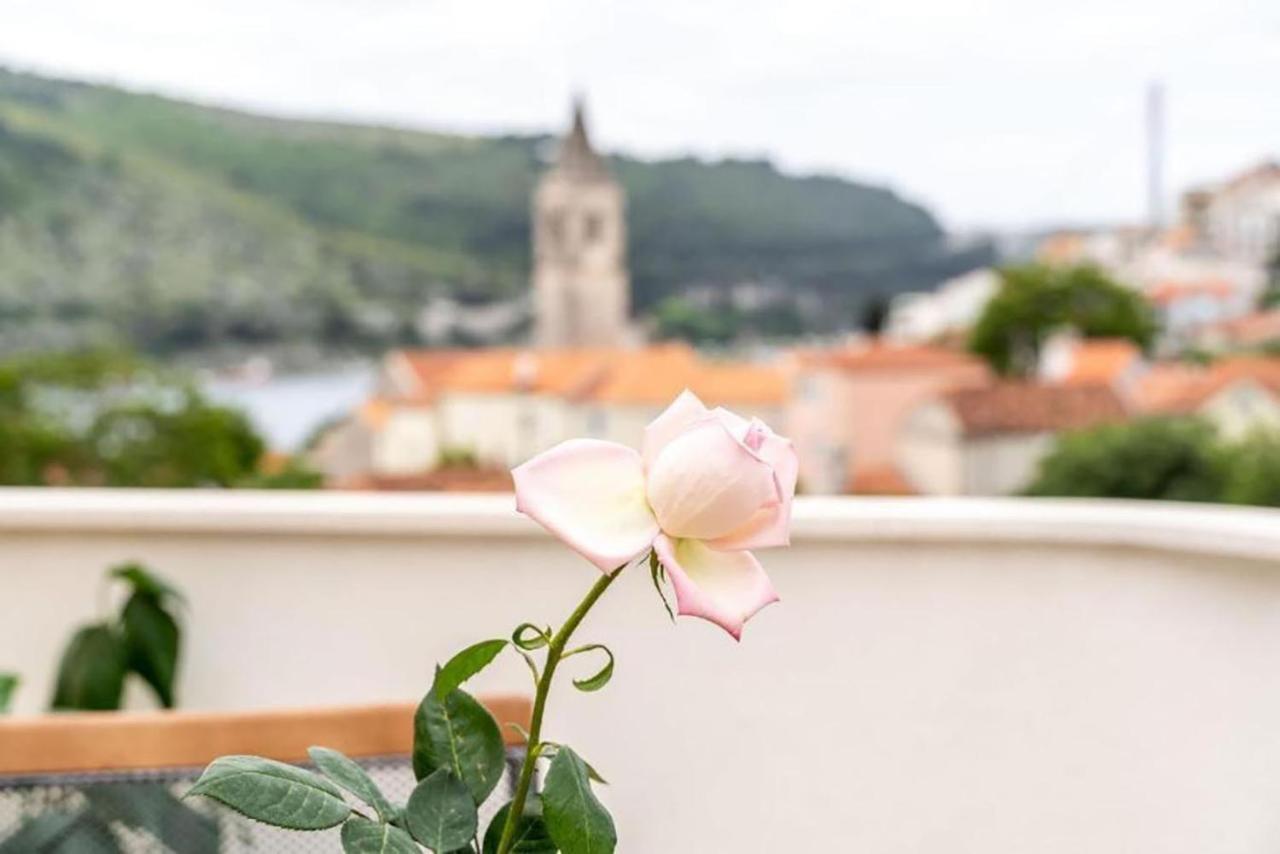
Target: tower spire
577 159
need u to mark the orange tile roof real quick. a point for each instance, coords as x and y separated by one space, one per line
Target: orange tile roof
459 479
1101 360
645 376
1023 407
882 480
888 357
1250 330
1184 389
1167 292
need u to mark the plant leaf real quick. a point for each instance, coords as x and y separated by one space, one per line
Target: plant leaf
151 638
362 836
350 776
146 582
601 679
532 836
440 813
458 734
273 792
578 822
91 674
8 685
466 664
541 637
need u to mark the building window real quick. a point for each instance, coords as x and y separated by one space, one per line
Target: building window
555 228
593 228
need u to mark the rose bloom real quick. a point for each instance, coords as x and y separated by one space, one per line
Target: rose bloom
707 486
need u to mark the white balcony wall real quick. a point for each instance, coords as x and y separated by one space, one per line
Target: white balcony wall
941 676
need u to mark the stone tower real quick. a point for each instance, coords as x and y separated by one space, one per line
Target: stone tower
581 290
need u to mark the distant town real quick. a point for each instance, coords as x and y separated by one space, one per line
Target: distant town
935 397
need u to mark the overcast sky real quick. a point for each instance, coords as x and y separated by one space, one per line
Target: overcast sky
1007 113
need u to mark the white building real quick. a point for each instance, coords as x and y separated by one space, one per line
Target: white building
990 440
956 305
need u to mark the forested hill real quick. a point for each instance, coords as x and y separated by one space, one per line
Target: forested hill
174 226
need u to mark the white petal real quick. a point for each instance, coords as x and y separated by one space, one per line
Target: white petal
683 413
726 588
591 495
706 483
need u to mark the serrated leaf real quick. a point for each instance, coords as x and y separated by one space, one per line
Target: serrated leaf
145 582
350 776
151 639
91 673
362 836
532 836
8 685
273 793
601 679
466 664
541 637
458 734
440 813
578 822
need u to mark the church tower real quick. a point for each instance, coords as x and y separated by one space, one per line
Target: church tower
581 290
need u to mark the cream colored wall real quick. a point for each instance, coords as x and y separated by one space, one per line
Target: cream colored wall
816 419
941 676
929 451
1004 464
406 443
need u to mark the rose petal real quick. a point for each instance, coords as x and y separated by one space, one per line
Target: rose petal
590 494
727 588
771 526
682 414
706 484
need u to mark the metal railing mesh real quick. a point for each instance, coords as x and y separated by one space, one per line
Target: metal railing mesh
141 812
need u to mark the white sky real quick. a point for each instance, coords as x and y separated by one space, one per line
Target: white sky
1007 113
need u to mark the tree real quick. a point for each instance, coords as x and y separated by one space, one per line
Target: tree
1253 475
106 419
1169 458
1036 300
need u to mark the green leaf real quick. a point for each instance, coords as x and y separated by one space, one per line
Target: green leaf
466 664
350 776
578 822
458 734
91 674
57 832
8 685
151 638
532 836
273 792
659 574
361 836
601 679
541 637
145 582
440 813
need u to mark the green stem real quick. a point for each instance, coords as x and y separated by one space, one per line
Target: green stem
555 651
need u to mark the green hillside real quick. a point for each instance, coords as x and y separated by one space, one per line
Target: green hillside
127 217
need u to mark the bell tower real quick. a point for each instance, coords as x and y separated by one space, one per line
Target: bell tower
581 289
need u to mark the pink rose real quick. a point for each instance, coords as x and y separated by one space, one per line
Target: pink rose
708 486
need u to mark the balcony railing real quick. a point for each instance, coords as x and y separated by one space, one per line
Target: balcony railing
949 675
